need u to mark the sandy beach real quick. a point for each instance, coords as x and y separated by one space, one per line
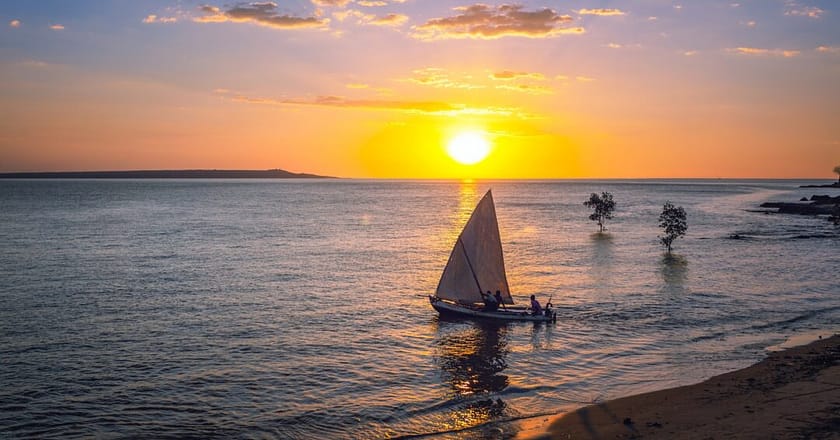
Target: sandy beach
792 394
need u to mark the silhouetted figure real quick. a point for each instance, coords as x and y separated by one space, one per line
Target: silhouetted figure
536 308
490 302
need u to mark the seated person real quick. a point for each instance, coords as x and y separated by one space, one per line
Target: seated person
490 303
536 309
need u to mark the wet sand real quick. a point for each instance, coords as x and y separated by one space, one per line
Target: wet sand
792 394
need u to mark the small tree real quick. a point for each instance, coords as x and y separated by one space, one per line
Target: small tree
837 170
673 221
603 206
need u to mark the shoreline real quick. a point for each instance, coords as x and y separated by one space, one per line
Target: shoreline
792 393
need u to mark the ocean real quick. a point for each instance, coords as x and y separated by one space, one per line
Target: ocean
298 309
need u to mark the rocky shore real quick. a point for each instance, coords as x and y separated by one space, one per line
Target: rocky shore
816 205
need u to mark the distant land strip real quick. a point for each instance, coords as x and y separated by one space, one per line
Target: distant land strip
165 174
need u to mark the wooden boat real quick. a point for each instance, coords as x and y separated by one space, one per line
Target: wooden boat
476 264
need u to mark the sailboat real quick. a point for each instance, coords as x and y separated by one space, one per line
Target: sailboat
477 264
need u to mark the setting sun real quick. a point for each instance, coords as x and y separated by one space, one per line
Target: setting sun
468 148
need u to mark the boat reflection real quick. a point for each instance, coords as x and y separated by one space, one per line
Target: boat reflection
471 356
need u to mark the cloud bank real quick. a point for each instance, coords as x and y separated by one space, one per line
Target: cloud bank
263 14
480 21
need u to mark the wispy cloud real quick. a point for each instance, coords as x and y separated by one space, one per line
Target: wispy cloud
530 89
443 79
480 21
763 52
57 27
35 64
603 12
828 49
152 18
390 20
357 86
797 10
263 14
371 4
340 3
425 107
506 75
14 23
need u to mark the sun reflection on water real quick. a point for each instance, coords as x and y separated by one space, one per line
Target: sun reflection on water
472 359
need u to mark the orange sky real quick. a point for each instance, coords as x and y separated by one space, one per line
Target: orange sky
356 88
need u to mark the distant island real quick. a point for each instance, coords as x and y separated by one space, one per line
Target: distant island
165 174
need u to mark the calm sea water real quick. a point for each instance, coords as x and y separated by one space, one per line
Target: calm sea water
297 309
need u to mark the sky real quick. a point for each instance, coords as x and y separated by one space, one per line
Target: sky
379 88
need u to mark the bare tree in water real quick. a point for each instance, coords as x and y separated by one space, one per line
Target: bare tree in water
837 170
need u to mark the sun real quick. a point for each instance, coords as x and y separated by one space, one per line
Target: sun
468 148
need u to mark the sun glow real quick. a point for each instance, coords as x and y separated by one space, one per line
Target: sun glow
468 148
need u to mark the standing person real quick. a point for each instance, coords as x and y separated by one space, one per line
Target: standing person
499 297
536 309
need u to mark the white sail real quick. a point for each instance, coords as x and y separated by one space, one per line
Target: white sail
476 263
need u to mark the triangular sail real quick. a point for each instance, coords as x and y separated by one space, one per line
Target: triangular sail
476 263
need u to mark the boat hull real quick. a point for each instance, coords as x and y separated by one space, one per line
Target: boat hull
451 309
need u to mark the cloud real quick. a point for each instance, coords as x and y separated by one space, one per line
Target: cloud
392 20
357 86
57 27
582 78
614 46
749 24
340 3
14 23
263 14
690 53
530 89
425 107
152 18
510 75
481 21
35 64
797 10
603 12
361 16
763 52
828 49
370 4
440 78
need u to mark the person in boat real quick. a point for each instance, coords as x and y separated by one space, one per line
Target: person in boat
498 296
490 302
536 309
